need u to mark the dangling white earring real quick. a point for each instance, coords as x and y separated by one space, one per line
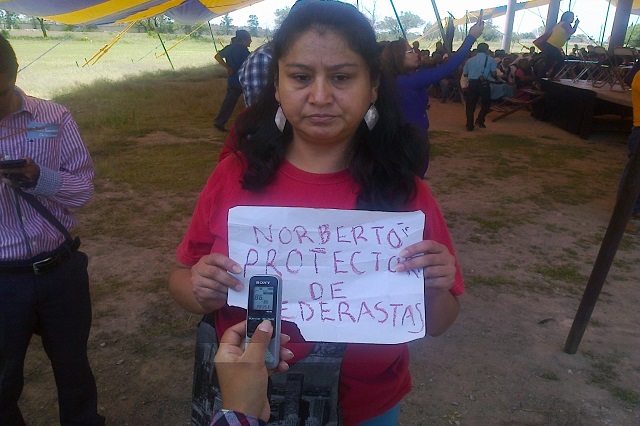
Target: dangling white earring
280 119
371 117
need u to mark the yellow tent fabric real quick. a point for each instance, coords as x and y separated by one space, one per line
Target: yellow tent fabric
83 12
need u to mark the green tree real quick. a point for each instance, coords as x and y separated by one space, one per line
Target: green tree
280 14
633 35
391 27
165 24
253 24
145 24
491 32
226 24
194 31
11 20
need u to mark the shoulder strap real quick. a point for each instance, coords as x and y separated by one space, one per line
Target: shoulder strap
40 208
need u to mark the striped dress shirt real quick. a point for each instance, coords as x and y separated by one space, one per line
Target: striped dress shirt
46 132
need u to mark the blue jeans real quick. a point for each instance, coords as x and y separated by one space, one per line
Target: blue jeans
390 418
57 306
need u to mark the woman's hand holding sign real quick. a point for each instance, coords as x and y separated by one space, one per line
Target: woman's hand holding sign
202 288
210 280
437 262
439 267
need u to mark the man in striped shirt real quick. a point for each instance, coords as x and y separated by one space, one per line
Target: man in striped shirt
254 72
44 285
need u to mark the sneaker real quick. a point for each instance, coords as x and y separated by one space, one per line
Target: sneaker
630 229
220 128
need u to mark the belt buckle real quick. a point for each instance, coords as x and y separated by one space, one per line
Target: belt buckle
41 264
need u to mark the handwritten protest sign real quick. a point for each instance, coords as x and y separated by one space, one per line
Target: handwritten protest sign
337 268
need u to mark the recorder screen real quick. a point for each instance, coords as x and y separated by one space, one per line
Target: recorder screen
263 298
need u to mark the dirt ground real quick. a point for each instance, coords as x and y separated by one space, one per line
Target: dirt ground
502 362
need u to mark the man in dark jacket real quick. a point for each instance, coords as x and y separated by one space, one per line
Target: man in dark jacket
232 57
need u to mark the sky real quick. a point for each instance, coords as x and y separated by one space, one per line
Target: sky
591 12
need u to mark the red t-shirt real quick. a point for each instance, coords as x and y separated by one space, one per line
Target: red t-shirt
374 378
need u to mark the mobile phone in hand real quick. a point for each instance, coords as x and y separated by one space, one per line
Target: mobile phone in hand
265 303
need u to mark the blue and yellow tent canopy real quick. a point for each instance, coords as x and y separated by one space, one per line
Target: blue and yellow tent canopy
86 12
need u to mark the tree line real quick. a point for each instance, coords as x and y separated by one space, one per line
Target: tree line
387 27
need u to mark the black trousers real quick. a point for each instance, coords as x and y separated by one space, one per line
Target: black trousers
553 59
477 91
57 306
228 105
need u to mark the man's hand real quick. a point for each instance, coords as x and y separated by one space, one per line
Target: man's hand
23 177
243 375
477 29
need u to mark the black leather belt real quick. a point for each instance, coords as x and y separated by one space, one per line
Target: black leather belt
42 263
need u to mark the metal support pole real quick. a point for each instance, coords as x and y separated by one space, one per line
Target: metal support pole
604 26
435 10
163 46
466 23
215 46
612 237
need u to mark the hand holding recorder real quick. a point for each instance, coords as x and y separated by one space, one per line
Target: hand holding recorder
242 373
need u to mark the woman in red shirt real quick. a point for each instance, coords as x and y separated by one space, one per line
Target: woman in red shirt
325 133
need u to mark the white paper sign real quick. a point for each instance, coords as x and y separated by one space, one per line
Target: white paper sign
337 269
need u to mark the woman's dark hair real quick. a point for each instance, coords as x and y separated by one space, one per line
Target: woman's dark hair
393 57
8 61
384 161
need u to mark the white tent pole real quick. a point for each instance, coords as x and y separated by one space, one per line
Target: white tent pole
552 14
508 26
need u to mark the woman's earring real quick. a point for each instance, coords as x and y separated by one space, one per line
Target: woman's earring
371 117
280 119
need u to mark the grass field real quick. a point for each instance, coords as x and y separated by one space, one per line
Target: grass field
54 66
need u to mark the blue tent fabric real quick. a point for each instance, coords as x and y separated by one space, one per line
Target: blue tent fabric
85 12
190 12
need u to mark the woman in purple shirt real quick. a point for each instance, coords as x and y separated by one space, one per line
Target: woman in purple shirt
401 63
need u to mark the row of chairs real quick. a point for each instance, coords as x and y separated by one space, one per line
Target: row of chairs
602 68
